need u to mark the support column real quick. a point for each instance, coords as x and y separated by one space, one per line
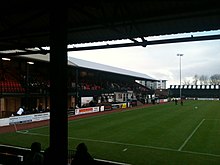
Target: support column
58 84
77 90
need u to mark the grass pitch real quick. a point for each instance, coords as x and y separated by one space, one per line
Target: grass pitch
159 134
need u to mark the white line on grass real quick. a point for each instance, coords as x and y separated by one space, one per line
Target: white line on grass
200 153
125 144
190 136
32 133
23 131
107 142
108 161
146 146
212 119
134 145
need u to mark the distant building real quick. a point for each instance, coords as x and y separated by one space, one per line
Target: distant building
159 84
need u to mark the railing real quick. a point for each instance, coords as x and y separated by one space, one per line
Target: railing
10 155
8 159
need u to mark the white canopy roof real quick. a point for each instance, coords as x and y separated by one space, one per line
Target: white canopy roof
95 66
107 68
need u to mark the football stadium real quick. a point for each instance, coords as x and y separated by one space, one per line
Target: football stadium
115 115
52 104
99 89
154 134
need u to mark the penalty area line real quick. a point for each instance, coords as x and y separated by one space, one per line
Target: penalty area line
145 146
135 145
190 136
32 133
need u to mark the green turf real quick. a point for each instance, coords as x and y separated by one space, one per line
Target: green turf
160 134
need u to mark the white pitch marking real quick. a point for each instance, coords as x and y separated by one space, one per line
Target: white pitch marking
135 145
190 136
108 161
23 131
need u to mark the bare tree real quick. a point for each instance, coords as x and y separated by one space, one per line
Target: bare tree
204 80
195 79
186 82
215 79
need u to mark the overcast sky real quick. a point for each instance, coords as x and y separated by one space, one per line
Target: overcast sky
161 61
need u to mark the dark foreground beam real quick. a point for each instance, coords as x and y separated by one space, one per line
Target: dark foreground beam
143 43
58 85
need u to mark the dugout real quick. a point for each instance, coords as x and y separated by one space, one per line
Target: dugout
25 81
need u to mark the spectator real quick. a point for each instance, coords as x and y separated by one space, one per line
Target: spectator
40 107
34 157
92 103
47 156
181 101
176 102
20 111
82 156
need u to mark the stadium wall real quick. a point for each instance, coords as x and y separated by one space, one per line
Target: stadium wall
14 120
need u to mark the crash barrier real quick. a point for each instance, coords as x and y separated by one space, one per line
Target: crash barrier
15 155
